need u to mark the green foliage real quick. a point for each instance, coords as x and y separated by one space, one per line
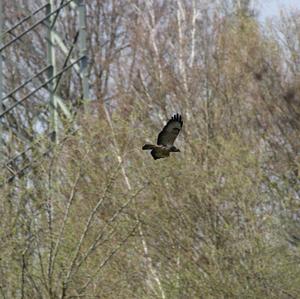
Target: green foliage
97 217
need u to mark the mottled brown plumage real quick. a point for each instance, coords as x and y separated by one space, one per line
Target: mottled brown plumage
166 139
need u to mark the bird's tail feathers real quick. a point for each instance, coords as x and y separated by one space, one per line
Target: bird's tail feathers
148 146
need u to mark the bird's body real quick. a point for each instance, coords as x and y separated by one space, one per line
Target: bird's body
166 139
158 151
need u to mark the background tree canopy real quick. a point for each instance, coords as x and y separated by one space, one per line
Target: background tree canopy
97 217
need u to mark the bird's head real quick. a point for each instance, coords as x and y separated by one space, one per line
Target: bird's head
174 149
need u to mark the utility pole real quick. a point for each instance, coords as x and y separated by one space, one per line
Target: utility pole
54 71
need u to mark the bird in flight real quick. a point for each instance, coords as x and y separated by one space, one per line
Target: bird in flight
166 138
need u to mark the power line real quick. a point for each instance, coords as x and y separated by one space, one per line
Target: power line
15 164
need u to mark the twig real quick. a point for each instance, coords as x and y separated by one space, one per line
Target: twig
70 201
105 261
101 234
85 232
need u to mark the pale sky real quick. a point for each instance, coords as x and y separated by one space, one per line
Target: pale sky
270 8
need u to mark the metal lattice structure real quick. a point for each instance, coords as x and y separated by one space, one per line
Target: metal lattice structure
51 74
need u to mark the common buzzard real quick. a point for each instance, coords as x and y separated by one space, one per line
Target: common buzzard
166 139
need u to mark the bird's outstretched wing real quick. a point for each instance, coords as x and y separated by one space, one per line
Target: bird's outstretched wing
170 131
